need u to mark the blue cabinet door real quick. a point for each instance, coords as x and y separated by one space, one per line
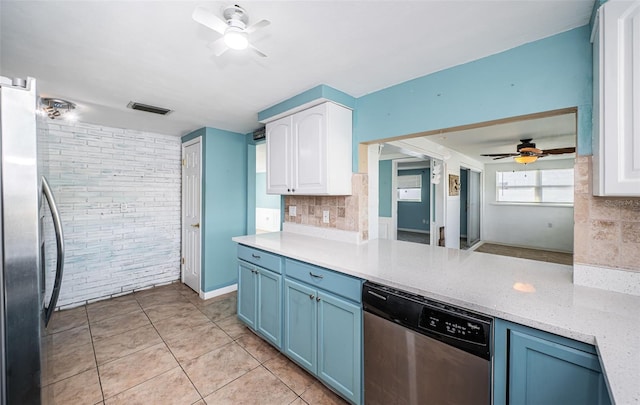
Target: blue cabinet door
340 345
542 368
247 288
269 322
300 324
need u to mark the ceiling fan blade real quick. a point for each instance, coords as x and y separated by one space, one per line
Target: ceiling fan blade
500 154
559 151
257 26
218 47
209 20
503 156
257 51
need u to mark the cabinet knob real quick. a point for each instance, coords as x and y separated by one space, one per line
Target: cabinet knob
288 190
293 190
311 296
318 299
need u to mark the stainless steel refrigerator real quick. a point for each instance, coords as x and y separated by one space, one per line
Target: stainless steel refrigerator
26 303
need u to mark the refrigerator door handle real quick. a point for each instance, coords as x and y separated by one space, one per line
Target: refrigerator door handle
57 225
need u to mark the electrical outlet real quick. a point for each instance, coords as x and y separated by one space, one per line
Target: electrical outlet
292 211
325 217
550 225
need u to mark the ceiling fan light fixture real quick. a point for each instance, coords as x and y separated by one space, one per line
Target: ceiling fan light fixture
525 159
236 38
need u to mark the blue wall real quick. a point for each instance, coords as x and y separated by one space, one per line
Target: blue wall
415 215
384 188
264 200
224 208
548 74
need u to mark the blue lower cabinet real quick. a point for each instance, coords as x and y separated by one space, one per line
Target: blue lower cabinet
269 322
535 367
260 301
340 345
323 334
300 324
247 287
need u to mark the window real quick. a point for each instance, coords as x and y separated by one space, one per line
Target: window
410 187
535 186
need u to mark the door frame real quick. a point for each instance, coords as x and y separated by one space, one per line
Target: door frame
471 169
182 206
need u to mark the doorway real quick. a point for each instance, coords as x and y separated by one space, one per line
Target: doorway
470 190
191 213
267 215
414 201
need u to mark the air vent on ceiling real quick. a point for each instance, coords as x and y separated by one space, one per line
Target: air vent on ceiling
148 108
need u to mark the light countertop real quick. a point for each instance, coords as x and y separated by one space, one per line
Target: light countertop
536 294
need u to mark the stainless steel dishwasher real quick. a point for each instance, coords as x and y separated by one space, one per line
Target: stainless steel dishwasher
420 351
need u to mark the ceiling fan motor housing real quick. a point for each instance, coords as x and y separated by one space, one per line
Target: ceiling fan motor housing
526 143
235 16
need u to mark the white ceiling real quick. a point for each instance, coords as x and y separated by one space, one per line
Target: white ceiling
103 54
558 131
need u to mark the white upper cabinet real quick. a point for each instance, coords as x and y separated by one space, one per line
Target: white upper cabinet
616 99
309 152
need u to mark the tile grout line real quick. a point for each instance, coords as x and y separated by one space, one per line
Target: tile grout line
173 355
95 357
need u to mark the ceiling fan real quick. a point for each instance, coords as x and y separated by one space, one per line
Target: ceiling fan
233 28
528 153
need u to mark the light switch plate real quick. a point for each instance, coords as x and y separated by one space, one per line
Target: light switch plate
325 217
292 211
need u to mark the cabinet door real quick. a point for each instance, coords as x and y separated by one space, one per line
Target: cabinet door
545 372
340 345
247 293
300 324
310 150
269 322
616 154
279 151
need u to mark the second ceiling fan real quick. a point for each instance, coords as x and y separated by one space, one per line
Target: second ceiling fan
526 152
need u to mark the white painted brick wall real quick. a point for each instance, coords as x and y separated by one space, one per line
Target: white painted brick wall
118 191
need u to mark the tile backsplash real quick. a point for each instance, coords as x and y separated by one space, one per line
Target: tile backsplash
607 229
347 213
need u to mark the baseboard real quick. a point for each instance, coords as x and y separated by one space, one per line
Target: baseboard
414 230
220 291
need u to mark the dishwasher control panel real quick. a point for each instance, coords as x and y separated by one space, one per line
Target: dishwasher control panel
453 326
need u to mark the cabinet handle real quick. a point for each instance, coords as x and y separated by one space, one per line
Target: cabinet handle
255 256
318 299
311 296
316 275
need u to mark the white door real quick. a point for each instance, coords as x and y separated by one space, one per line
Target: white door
310 150
473 212
191 201
279 156
438 200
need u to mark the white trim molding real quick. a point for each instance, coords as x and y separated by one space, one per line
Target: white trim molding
220 291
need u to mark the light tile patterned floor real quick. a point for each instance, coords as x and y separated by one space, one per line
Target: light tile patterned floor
167 346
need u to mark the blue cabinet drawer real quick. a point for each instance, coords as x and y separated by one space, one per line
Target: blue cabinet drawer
260 258
341 284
